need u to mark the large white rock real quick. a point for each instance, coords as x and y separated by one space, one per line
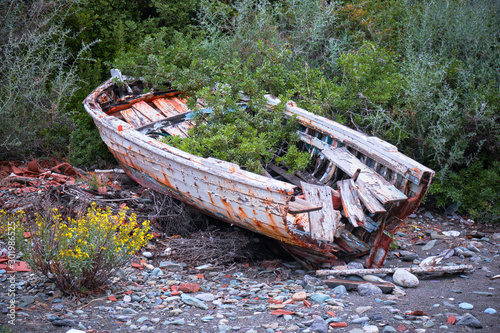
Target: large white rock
404 278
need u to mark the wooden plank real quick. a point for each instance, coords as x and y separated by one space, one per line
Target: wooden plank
165 107
372 147
369 201
380 188
351 244
323 223
148 111
350 201
289 177
299 206
134 119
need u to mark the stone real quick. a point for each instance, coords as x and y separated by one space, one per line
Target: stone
192 301
451 233
470 321
373 278
319 297
64 322
319 325
142 319
428 324
189 287
360 320
370 329
147 254
205 297
299 296
171 266
404 278
363 309
429 245
466 306
368 289
27 300
389 329
342 290
156 272
490 311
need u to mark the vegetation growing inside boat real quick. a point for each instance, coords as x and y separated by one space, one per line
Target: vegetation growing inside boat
247 134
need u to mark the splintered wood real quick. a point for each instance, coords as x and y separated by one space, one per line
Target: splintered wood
352 207
323 223
380 188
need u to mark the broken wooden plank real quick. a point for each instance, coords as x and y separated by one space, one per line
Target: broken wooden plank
352 284
133 118
351 203
347 162
148 111
351 244
289 177
165 107
299 206
369 201
390 270
323 223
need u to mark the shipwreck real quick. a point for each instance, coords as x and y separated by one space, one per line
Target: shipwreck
357 191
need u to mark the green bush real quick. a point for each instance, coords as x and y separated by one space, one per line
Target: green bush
38 77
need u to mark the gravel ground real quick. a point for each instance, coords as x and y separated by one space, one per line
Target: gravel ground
278 295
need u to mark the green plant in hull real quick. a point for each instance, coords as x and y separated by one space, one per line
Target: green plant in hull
248 136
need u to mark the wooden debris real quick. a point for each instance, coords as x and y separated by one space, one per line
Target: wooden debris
350 201
323 223
390 270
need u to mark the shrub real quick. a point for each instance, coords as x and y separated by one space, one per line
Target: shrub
38 77
81 254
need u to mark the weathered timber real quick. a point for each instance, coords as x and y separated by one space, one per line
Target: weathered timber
390 270
322 223
148 111
134 119
369 201
351 203
282 173
299 206
368 178
163 122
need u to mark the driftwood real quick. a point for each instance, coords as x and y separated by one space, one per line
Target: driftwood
390 270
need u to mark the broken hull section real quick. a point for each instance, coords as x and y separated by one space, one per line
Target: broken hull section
357 187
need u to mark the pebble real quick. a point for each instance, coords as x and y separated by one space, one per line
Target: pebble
466 306
189 300
404 278
205 297
299 296
370 329
429 245
342 290
368 289
470 321
490 311
319 325
363 309
320 298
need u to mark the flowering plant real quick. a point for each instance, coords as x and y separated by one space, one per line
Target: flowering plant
80 254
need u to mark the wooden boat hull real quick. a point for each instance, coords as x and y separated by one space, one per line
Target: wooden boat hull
222 189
